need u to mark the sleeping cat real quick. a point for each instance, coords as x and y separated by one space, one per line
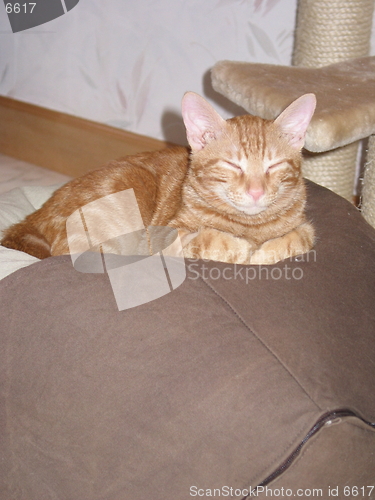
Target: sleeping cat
238 196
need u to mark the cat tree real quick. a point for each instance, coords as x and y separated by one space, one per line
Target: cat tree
331 44
332 31
368 189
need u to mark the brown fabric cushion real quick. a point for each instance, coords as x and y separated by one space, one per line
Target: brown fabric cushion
214 385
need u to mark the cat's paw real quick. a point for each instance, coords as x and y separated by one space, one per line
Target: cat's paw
265 257
212 244
296 242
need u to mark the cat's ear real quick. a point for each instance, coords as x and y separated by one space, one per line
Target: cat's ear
295 119
203 124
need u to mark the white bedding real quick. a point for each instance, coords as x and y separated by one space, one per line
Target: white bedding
16 173
14 206
23 188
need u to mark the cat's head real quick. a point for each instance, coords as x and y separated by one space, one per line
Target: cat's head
246 164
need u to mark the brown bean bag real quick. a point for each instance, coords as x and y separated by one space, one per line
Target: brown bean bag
243 377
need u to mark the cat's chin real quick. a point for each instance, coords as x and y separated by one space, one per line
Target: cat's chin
252 210
249 209
246 209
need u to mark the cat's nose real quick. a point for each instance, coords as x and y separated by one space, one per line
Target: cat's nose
256 193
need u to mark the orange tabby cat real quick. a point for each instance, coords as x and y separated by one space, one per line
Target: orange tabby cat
238 197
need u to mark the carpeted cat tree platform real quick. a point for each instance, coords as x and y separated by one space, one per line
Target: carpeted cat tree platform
331 45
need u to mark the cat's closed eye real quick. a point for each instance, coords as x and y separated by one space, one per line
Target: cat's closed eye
234 166
275 166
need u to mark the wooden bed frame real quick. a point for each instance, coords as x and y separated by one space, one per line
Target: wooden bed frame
62 142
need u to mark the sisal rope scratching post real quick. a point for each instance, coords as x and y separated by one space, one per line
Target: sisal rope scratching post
332 31
368 189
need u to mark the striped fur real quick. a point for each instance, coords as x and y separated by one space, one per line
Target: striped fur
238 196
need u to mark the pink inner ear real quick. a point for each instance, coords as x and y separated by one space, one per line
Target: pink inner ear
202 122
295 119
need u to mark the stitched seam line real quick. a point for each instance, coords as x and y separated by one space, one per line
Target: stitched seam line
262 342
276 461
